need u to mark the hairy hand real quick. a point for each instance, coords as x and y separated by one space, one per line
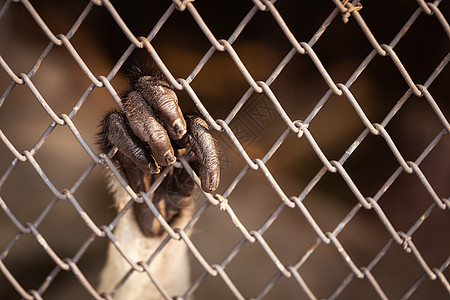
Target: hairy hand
149 134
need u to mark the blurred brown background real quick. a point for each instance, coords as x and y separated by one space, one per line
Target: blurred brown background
261 46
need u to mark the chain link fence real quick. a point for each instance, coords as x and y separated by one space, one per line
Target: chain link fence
334 151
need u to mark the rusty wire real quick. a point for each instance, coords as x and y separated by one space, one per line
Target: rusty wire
301 129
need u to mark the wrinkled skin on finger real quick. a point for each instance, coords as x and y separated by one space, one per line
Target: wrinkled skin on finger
205 149
147 127
149 134
164 102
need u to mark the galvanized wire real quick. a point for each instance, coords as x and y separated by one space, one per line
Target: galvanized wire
299 129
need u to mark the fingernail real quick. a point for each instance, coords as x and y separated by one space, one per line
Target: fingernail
213 183
154 168
169 157
179 127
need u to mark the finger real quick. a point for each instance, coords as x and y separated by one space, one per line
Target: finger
146 126
205 150
117 132
164 102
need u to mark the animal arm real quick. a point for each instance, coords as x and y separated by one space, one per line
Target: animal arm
149 134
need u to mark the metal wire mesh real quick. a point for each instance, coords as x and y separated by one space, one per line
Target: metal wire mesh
262 110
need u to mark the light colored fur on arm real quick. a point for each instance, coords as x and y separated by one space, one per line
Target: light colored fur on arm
170 267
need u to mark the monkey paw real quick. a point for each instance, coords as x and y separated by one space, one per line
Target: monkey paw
149 134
